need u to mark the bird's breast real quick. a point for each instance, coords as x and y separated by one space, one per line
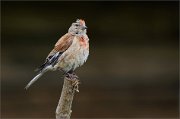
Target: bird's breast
83 42
75 55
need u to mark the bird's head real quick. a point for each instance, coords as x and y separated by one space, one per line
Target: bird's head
78 28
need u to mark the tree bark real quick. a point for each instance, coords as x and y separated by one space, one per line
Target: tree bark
63 110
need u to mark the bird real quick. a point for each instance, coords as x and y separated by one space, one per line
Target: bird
70 52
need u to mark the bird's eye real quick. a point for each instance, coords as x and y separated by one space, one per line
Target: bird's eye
76 25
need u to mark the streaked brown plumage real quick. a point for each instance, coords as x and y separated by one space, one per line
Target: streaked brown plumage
70 51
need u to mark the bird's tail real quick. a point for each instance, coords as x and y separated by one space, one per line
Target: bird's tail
34 80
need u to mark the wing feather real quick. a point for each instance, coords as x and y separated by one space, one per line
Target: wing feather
61 45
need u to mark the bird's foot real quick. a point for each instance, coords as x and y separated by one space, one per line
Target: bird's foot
74 78
71 76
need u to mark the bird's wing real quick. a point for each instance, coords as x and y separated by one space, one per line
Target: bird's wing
61 46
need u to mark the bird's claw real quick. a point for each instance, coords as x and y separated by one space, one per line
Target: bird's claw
74 78
71 76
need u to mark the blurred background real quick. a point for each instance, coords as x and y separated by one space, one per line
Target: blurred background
132 70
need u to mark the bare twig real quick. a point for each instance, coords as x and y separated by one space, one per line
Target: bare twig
63 110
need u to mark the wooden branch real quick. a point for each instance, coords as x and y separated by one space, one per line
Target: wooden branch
63 110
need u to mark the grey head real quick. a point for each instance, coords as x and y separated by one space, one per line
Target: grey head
78 28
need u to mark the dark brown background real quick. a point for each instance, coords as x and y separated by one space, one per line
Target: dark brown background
132 70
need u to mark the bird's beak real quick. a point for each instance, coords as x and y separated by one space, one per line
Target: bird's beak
84 27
